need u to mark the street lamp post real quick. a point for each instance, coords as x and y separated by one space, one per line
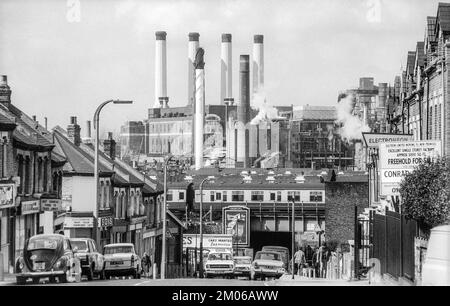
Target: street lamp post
209 178
293 238
96 155
163 251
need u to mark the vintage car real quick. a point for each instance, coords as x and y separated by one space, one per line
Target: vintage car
48 256
267 264
121 260
92 262
242 266
284 252
219 264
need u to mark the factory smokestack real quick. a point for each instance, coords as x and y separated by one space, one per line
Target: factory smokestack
258 63
199 113
88 129
243 109
226 67
193 45
160 68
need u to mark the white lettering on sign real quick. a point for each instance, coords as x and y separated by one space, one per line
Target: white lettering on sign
374 140
73 222
209 241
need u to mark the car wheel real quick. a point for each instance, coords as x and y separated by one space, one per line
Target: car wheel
52 279
102 274
63 278
21 280
36 280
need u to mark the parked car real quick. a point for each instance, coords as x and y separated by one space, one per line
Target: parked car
92 262
121 260
284 252
267 264
49 256
242 266
219 264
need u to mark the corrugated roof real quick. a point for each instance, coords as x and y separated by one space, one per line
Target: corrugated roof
411 61
315 113
420 54
431 28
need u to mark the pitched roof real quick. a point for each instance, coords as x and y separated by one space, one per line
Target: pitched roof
443 17
431 29
420 54
410 62
78 161
315 113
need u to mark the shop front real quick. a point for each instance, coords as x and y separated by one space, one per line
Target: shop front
75 225
136 233
7 222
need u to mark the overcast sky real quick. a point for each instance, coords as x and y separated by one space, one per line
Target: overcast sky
63 62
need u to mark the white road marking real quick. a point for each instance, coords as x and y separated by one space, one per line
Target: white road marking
141 283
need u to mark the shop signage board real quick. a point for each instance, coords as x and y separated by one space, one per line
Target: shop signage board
236 222
397 159
30 207
210 241
51 204
78 222
374 140
105 222
7 197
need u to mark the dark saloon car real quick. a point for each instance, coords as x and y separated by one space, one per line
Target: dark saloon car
48 256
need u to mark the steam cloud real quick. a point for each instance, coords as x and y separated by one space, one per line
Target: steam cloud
352 126
266 111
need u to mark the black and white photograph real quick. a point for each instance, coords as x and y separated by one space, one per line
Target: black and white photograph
242 145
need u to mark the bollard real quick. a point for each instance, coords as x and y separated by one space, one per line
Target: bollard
2 272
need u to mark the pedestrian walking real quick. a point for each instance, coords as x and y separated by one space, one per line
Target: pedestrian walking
299 261
146 264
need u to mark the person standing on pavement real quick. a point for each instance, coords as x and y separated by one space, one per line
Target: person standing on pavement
299 261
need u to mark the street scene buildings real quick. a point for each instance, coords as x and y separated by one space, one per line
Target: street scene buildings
203 188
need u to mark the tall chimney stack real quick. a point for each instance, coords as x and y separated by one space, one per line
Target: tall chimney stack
243 109
193 45
160 67
109 146
226 64
46 123
199 114
258 63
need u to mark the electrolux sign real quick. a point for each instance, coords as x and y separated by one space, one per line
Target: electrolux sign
400 158
374 140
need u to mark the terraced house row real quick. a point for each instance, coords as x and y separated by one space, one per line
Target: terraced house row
423 108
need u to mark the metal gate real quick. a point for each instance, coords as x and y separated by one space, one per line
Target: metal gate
362 247
191 262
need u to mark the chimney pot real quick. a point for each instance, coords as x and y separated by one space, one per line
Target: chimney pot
73 131
258 39
161 35
226 38
4 80
193 36
34 117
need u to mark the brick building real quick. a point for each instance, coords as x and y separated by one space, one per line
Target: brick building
341 197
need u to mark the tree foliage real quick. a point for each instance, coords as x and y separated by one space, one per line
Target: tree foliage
425 193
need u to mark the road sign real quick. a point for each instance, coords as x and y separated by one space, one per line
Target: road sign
400 158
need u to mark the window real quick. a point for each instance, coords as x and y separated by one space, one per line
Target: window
272 196
181 195
169 195
279 196
225 197
315 196
258 196
211 196
294 196
218 196
237 196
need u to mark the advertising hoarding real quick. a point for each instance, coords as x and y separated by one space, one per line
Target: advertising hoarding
51 204
7 198
210 241
397 159
374 140
236 222
81 222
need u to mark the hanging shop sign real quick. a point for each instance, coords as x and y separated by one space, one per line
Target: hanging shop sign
7 197
236 222
78 222
51 204
400 158
374 140
30 207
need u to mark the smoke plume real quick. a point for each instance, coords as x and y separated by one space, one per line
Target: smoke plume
352 126
265 110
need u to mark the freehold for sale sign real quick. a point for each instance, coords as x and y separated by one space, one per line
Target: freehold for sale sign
397 159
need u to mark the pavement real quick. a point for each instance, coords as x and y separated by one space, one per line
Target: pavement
285 280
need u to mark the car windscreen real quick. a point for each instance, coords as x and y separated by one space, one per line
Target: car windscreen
38 243
118 249
267 256
242 261
80 245
219 256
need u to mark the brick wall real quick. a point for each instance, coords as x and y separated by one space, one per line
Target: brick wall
341 199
